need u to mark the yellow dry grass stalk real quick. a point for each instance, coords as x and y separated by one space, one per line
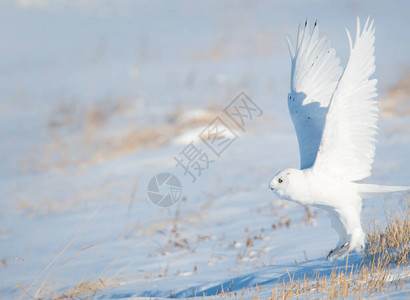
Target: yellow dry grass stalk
94 130
393 242
357 281
84 290
384 267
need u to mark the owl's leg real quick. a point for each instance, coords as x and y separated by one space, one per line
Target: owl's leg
351 236
343 245
339 227
354 229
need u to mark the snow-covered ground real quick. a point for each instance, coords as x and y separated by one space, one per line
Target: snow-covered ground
98 97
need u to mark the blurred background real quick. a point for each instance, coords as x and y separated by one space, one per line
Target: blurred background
72 66
96 97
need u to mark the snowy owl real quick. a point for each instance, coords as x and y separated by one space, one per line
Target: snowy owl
334 113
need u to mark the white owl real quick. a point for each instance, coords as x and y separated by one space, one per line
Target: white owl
334 113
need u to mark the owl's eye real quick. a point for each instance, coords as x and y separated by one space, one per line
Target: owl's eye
280 180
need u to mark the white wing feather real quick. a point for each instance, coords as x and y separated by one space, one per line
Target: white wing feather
314 76
348 143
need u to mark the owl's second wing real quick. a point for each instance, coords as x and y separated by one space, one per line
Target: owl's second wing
314 76
348 144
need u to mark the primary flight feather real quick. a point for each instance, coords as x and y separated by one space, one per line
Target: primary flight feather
334 112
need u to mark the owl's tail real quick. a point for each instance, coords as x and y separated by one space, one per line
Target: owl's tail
374 190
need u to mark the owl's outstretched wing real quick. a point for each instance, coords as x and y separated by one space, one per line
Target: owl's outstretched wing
348 144
314 76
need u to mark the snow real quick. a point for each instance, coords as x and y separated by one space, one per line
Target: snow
74 205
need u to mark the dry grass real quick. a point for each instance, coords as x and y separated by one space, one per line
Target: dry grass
84 290
83 136
387 248
393 242
356 280
384 268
